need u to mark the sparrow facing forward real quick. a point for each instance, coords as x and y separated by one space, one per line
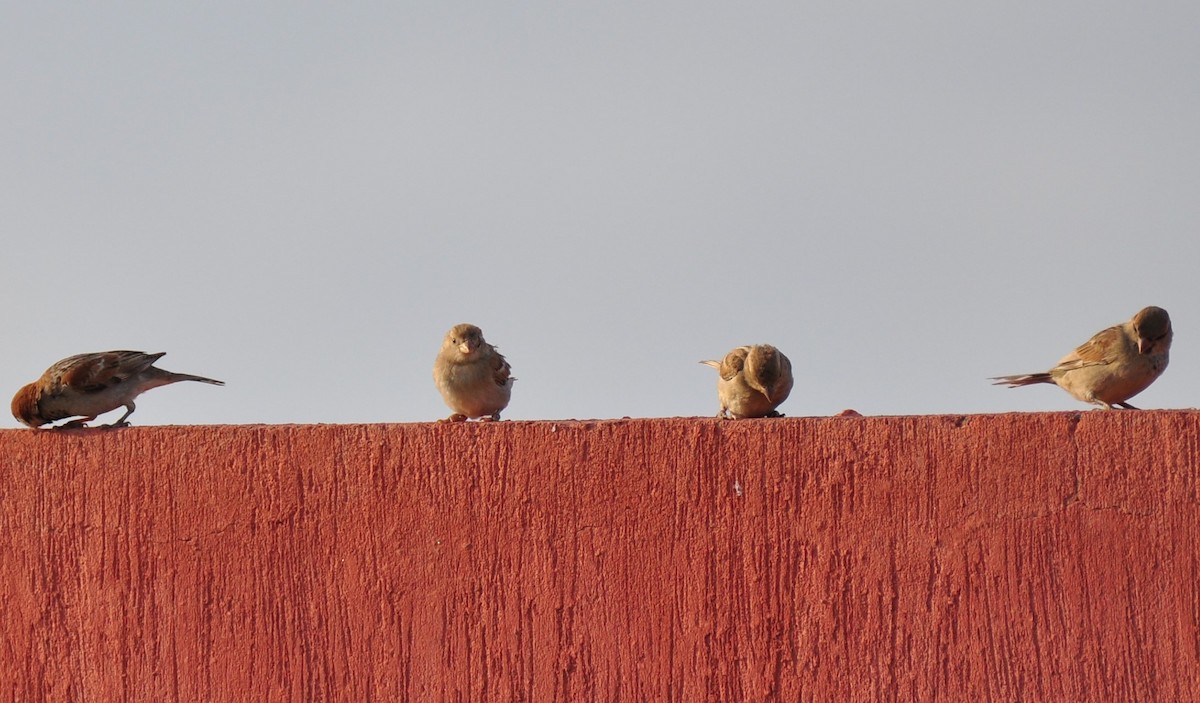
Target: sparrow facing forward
1113 366
473 378
91 385
753 381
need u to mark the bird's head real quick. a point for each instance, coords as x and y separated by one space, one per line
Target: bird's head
1152 326
25 406
763 369
465 338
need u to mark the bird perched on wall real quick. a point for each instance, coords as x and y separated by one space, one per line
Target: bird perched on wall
1114 365
88 385
473 378
752 381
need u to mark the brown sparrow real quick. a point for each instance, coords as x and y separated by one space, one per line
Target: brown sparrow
1113 366
753 381
474 379
92 384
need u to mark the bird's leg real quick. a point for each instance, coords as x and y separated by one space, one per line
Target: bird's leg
123 422
723 413
456 417
75 424
494 417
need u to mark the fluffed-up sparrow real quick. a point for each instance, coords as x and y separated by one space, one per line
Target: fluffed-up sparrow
752 381
473 378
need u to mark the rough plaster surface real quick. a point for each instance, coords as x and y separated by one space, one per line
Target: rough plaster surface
1023 557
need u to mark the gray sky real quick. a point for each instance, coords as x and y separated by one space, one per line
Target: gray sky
906 198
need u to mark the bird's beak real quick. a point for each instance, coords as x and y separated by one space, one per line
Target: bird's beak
1144 345
466 348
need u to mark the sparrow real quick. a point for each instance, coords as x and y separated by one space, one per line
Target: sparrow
753 381
473 378
92 384
1114 365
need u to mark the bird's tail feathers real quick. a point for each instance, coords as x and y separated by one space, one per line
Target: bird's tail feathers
190 377
1022 379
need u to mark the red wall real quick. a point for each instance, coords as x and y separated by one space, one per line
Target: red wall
1030 557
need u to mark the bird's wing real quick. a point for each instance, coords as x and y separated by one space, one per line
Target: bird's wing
733 363
1099 350
501 371
92 373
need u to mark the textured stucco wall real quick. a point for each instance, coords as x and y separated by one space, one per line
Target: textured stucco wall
1024 557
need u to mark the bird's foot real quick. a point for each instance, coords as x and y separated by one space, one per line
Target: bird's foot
774 413
117 424
456 417
79 424
1127 406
